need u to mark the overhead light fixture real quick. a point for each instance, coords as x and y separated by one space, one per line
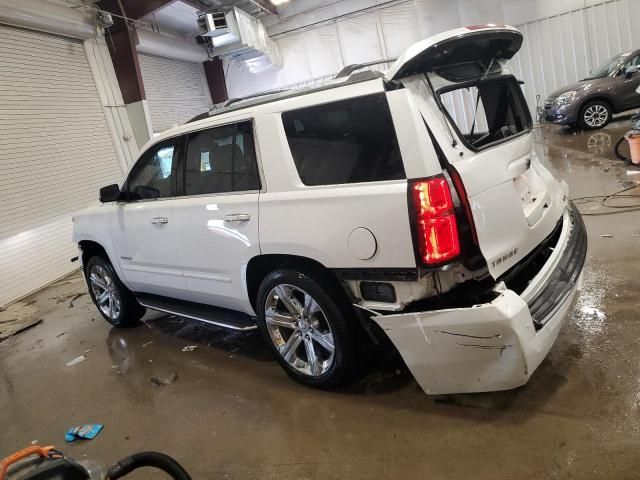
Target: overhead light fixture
279 2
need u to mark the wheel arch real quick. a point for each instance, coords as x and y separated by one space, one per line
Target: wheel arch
599 96
261 265
91 248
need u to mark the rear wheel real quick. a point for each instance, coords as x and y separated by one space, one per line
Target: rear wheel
307 327
595 115
115 302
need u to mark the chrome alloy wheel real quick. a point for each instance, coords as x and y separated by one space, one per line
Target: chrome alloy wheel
299 329
105 291
596 116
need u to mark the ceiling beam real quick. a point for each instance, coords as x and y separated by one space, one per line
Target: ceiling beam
133 9
197 4
266 5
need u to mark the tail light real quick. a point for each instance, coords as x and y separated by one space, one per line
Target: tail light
464 201
436 230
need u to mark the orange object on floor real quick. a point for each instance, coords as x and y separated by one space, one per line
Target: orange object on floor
22 454
634 146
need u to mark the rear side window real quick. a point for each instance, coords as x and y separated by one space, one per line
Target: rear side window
221 159
487 112
348 141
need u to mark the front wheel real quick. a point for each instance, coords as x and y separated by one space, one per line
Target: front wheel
115 302
303 320
595 115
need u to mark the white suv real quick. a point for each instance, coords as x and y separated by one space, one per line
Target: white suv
408 203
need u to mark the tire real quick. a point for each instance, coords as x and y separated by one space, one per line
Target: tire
290 332
120 308
595 115
622 151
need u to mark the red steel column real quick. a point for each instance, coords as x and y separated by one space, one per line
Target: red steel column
214 72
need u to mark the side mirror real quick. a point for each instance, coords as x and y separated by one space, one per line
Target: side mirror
110 193
630 71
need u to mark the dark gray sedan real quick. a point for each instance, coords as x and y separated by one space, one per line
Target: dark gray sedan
592 101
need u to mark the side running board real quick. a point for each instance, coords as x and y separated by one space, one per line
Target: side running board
220 317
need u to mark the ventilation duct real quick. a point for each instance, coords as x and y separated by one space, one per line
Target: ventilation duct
170 47
212 24
246 41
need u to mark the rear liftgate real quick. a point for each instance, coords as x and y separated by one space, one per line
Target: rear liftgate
516 204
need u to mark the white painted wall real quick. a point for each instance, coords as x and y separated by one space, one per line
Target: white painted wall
317 38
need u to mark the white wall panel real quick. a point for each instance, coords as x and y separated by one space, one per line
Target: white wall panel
57 153
400 28
175 90
324 46
360 39
323 50
434 16
473 12
563 39
295 60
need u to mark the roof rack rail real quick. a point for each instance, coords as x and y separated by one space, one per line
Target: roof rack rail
349 69
231 101
234 104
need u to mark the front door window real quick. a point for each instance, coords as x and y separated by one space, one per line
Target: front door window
154 174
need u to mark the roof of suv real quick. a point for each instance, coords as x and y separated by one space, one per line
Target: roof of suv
235 104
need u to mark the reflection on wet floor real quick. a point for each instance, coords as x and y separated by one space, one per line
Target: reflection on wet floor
133 349
226 410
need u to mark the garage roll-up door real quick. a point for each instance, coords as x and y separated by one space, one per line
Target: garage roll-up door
175 90
56 154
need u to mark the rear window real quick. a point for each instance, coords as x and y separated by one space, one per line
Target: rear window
486 111
349 141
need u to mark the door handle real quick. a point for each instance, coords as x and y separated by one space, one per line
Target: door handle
159 220
237 217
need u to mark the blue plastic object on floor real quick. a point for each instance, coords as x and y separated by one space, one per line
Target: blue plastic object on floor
85 432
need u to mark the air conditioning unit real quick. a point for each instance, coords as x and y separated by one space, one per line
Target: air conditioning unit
212 24
246 40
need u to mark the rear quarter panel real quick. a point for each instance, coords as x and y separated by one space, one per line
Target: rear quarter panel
316 221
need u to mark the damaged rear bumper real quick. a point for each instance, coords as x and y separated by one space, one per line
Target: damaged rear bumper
497 345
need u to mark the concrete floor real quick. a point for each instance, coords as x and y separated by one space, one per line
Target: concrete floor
233 414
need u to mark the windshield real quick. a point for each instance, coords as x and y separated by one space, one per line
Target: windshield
609 67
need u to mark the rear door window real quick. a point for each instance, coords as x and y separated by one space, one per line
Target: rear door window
221 159
486 112
348 141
